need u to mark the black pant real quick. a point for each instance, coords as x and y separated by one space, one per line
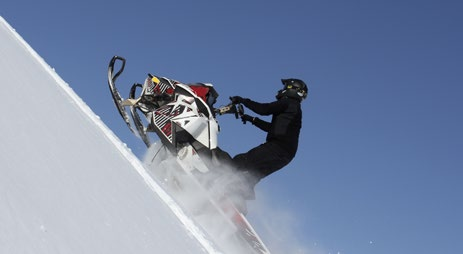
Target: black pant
262 161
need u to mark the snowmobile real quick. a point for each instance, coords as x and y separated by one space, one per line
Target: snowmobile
186 158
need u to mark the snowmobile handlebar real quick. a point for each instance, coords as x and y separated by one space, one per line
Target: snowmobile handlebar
232 108
240 109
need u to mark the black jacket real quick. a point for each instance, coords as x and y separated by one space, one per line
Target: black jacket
286 121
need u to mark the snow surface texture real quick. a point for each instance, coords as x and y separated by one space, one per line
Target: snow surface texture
67 184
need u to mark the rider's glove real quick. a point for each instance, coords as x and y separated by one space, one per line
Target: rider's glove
247 118
236 99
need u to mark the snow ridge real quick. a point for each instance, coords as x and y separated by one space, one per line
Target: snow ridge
189 225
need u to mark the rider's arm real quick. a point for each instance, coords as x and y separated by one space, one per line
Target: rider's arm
261 124
266 108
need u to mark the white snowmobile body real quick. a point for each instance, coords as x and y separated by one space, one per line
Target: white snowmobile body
185 159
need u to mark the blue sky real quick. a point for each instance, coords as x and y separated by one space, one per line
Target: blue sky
379 167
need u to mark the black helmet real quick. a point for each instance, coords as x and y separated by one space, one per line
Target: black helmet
294 88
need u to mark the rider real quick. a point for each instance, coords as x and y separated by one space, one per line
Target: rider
282 132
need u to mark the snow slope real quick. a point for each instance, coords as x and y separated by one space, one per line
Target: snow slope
67 184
